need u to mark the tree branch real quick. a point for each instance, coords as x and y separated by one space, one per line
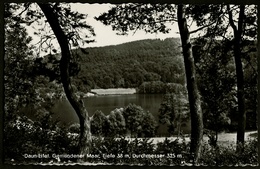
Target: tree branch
26 5
196 30
241 19
231 21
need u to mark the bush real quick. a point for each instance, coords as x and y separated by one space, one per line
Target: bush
138 122
230 155
116 122
43 136
99 124
132 151
176 152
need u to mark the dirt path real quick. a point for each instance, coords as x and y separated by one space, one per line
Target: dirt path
225 138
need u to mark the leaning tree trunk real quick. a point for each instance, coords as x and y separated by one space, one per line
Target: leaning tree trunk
78 105
194 98
239 72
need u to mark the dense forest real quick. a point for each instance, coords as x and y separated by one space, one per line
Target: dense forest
127 65
131 64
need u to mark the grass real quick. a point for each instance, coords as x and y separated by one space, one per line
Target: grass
114 91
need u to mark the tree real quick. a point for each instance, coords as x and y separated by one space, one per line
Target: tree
193 93
66 26
27 93
18 86
133 115
149 125
152 18
18 75
174 110
78 105
167 113
138 122
215 72
117 125
238 31
225 17
99 124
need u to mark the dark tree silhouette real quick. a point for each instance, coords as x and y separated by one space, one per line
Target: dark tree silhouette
78 105
193 93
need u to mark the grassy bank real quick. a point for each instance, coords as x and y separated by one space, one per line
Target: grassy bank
114 91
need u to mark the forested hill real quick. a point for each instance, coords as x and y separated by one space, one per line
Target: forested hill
130 64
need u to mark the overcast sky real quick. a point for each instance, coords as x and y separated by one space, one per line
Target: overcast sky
105 35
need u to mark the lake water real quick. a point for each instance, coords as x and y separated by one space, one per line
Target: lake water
107 103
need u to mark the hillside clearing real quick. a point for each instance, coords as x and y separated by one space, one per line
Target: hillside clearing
114 91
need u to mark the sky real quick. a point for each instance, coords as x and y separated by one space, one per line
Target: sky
104 34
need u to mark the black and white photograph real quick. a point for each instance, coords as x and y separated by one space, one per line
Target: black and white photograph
135 84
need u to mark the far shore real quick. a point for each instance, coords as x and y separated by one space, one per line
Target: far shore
110 91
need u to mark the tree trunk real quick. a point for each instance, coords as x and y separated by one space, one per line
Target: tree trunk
193 94
239 72
78 105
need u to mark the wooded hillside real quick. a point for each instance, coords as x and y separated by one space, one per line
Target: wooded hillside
130 64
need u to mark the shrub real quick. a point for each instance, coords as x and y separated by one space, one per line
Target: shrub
176 152
131 151
99 124
43 136
230 155
116 122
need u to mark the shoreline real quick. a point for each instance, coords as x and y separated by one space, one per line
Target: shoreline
109 91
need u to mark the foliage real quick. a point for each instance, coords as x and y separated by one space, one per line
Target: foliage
26 92
73 23
22 136
133 16
242 21
149 126
174 110
176 152
117 125
159 87
66 26
130 151
99 124
216 82
167 113
18 74
138 122
250 85
146 60
229 156
154 87
54 139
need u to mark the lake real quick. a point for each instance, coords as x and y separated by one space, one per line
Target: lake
107 103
